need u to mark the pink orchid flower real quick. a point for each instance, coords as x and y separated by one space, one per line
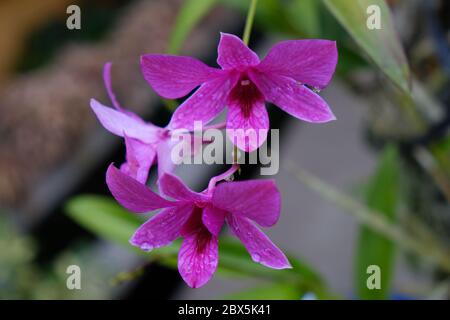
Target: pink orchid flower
145 143
199 217
244 83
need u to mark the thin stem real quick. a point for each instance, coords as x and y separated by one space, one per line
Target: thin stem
374 220
222 176
249 21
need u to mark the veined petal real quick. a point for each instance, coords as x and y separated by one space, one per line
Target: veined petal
261 249
213 218
162 228
205 104
173 187
310 62
140 157
233 53
258 200
293 97
132 194
175 76
199 254
247 129
198 259
120 123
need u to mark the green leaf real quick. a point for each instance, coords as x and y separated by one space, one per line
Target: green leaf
381 45
190 14
104 216
304 16
373 248
277 291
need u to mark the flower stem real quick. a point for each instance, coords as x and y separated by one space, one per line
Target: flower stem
222 176
249 21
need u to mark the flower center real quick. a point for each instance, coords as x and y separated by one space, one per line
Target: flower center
245 94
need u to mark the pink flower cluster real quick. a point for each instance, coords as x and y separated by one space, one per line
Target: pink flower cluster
285 77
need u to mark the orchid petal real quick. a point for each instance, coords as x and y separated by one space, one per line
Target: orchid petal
165 163
292 97
261 249
161 229
310 62
120 123
204 105
199 253
173 187
140 157
108 85
198 259
213 218
247 131
132 194
233 53
112 96
258 200
175 76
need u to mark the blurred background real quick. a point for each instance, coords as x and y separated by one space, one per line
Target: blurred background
372 187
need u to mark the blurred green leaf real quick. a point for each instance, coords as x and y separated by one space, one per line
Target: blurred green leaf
190 14
441 151
104 217
304 16
277 291
381 45
373 248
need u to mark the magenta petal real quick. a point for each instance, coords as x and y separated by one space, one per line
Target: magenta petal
247 131
112 96
293 97
261 249
258 200
107 81
165 163
173 187
162 228
140 157
310 62
233 53
132 194
120 123
175 76
198 258
204 105
213 218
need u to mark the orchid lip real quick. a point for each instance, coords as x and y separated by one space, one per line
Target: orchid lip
246 93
